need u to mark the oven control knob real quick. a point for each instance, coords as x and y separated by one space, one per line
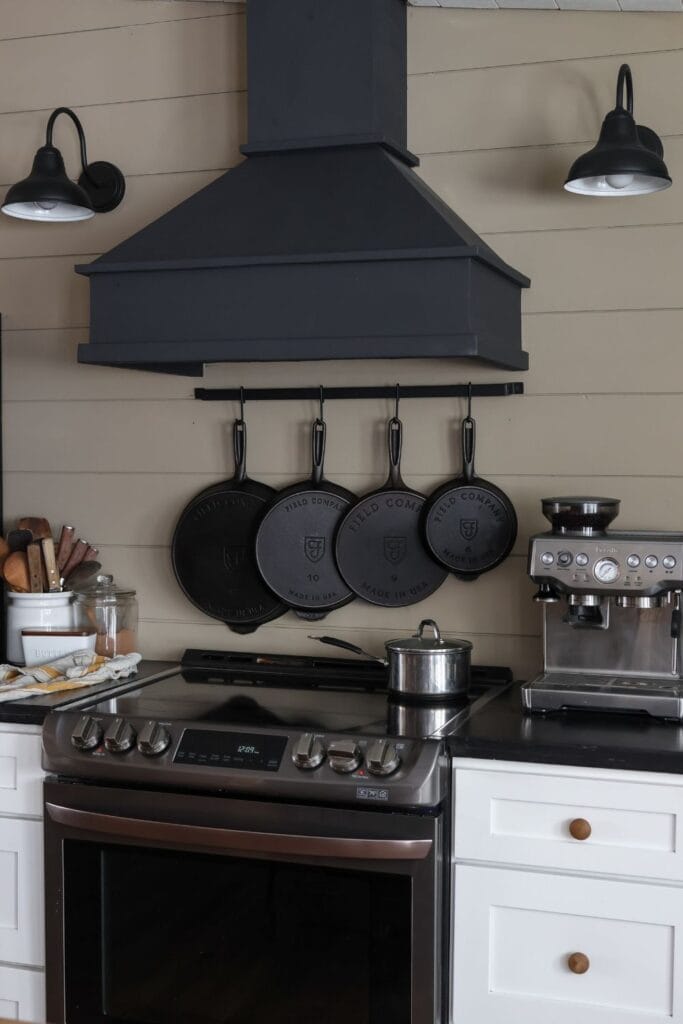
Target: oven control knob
308 752
382 757
87 735
344 756
119 737
153 739
606 570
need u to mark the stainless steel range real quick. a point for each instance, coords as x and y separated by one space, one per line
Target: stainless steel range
252 839
611 613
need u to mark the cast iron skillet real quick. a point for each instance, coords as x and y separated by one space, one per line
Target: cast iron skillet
380 550
213 548
469 524
295 540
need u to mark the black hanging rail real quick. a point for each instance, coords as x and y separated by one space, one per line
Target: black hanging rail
405 391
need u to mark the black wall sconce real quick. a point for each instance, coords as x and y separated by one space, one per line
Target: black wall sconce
49 195
627 159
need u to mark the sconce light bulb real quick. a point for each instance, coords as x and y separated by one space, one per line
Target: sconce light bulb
46 204
619 181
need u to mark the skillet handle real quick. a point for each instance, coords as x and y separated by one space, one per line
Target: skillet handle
318 449
332 641
239 444
468 442
395 442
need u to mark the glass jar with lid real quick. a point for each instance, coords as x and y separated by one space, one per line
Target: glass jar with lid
112 611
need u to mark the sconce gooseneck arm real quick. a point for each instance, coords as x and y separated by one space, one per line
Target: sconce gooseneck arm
625 80
79 128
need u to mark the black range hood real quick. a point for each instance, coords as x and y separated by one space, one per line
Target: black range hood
324 243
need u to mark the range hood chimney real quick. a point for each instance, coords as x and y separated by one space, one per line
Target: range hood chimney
324 243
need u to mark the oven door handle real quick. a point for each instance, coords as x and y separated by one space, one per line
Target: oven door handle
225 839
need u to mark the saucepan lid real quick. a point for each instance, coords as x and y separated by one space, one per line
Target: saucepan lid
428 644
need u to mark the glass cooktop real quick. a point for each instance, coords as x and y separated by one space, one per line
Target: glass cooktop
348 700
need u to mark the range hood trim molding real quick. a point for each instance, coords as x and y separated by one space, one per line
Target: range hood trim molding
386 256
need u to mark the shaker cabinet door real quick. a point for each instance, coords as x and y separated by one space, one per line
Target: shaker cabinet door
533 948
22 926
22 994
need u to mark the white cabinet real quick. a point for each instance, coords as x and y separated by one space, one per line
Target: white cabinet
515 932
568 895
22 928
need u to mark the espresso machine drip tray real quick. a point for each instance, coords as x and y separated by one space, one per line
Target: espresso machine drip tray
571 691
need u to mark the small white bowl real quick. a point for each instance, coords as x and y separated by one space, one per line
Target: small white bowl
42 646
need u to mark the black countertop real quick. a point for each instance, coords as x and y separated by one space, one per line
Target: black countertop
501 731
32 710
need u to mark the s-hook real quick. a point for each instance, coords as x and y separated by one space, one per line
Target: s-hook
242 400
322 404
398 399
469 401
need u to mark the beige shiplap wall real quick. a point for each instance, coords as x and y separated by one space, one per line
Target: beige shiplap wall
499 103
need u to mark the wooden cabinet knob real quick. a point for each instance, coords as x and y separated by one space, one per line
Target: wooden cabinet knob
578 963
579 828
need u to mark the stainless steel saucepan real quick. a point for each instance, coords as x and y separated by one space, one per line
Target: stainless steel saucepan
421 667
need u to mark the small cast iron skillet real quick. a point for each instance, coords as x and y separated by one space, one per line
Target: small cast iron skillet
380 550
469 524
213 548
295 540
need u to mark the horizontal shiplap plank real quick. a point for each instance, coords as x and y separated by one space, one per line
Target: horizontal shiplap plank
449 40
603 269
459 606
603 434
171 58
538 104
147 197
19 18
522 190
193 133
92 502
170 639
577 353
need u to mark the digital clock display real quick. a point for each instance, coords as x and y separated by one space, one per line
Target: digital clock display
204 748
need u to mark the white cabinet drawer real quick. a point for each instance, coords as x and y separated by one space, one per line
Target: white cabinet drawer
22 994
22 927
514 932
21 775
636 828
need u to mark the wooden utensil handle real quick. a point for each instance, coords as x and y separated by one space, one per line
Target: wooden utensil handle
35 568
53 583
67 539
76 556
91 554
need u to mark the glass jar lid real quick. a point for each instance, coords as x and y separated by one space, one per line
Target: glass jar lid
103 588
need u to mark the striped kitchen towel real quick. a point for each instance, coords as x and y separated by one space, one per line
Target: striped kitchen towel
82 668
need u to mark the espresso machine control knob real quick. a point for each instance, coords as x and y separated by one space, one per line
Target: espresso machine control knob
119 737
383 758
606 570
308 752
153 739
87 735
344 756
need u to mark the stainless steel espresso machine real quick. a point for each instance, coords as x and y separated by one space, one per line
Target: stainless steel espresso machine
611 613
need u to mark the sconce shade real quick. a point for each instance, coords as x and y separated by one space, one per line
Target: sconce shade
627 159
48 194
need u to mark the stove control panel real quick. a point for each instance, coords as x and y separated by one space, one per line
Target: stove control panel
346 756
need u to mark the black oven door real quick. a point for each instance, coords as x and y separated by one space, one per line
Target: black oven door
168 908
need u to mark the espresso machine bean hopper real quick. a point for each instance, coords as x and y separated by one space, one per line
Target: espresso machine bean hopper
611 613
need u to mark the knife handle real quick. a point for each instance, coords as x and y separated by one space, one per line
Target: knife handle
66 544
76 557
35 568
53 581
